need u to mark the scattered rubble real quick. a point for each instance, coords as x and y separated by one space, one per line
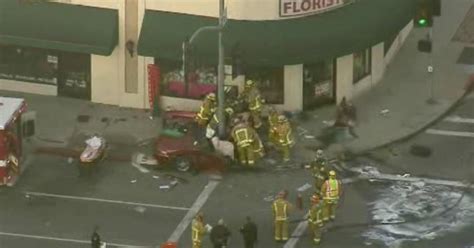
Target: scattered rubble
140 209
305 187
133 181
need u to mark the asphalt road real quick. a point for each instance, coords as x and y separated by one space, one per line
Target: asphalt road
52 205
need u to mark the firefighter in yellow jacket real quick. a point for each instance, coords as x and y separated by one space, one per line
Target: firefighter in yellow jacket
331 191
257 145
213 125
243 137
272 123
284 136
320 172
315 218
255 102
208 108
198 230
281 209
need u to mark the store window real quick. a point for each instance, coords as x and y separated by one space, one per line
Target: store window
318 84
201 81
362 65
29 64
270 82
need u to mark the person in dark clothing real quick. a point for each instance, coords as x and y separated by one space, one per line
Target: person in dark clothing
220 235
249 232
95 238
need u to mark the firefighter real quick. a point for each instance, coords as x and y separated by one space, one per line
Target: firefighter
331 191
319 170
315 218
208 107
198 230
243 137
272 123
213 124
281 209
257 145
284 136
255 102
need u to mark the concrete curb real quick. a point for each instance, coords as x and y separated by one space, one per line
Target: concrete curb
455 104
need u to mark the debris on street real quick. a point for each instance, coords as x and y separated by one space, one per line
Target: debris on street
165 187
133 181
140 209
328 123
305 187
301 131
269 198
156 177
384 112
70 160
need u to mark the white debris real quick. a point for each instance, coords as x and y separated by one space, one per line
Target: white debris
269 198
94 142
164 187
156 177
140 209
384 112
133 181
328 123
419 184
305 187
70 160
309 136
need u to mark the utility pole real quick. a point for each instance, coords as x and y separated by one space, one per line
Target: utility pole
220 67
220 72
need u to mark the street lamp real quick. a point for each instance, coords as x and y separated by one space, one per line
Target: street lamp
220 68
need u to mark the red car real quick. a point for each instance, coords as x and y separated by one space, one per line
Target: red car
180 145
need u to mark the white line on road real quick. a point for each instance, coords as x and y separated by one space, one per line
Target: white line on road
105 200
210 187
459 119
63 239
450 133
295 236
301 228
389 177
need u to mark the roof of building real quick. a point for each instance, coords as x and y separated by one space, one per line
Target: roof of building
8 107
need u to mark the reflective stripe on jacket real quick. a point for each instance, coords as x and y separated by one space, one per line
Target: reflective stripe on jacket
280 209
332 189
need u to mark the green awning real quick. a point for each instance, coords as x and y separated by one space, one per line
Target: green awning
279 42
58 26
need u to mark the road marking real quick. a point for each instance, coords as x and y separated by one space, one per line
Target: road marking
295 236
459 119
210 187
450 133
105 200
303 225
389 177
65 240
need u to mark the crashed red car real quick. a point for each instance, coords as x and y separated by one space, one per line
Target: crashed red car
182 147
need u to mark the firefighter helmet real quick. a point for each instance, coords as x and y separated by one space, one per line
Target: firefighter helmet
315 198
249 83
332 173
229 111
282 118
319 153
211 96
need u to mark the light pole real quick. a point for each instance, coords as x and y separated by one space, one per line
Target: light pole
220 67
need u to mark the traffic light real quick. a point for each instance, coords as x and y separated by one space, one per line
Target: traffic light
425 46
424 13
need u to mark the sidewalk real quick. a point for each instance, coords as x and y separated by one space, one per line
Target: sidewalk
66 122
404 91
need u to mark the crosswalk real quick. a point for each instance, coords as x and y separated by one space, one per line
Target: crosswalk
462 121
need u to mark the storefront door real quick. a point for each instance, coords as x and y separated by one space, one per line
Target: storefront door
75 75
318 84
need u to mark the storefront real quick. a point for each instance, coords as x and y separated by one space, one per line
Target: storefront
42 52
319 84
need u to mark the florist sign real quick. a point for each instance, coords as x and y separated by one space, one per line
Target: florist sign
290 8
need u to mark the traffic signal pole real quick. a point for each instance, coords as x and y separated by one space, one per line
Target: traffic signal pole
220 73
220 68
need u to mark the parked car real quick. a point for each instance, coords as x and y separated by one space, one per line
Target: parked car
182 146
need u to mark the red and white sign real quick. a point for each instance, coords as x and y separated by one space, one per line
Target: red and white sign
290 8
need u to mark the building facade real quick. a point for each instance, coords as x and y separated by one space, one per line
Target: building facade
302 54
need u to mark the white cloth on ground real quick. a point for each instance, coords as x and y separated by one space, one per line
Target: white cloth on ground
94 142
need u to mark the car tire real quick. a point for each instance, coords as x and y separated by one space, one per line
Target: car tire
183 164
